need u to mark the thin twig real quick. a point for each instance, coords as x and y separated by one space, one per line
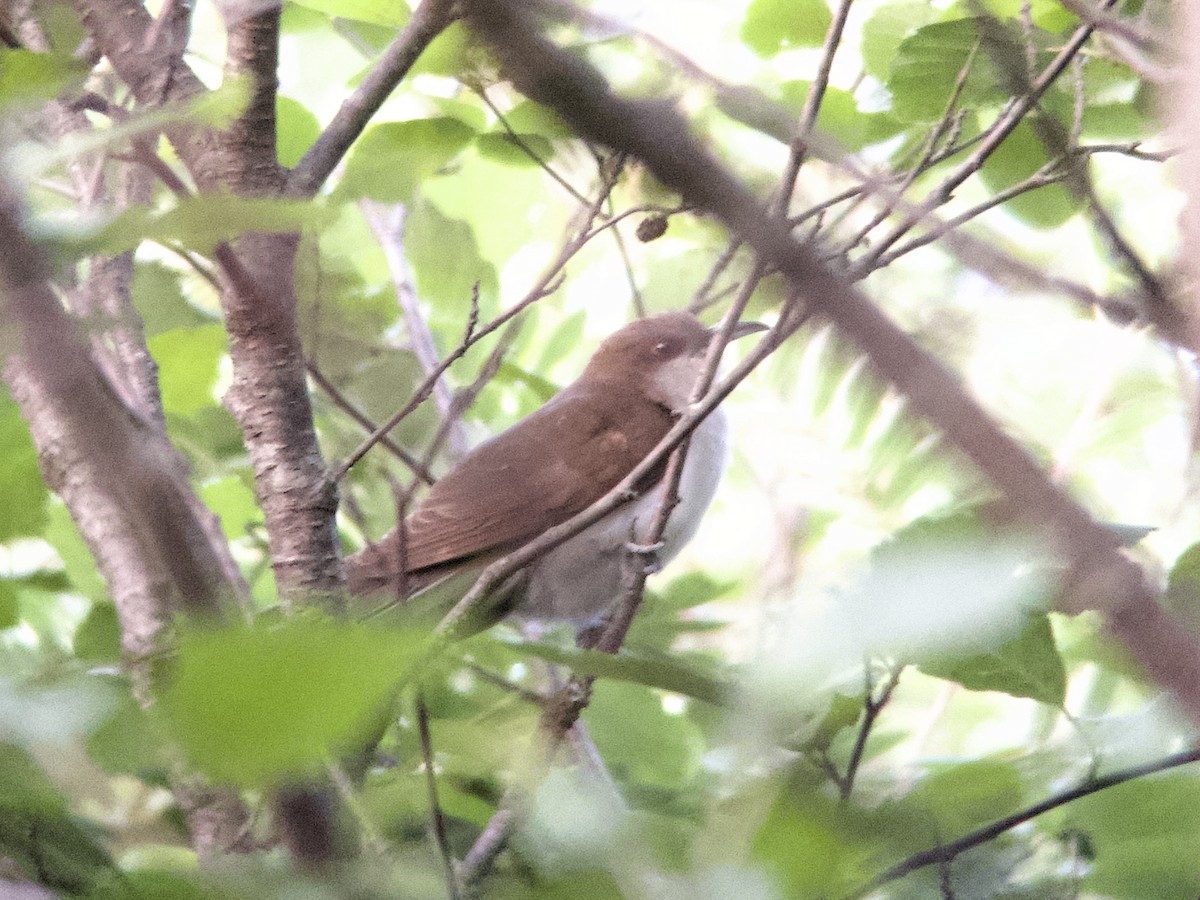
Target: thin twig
872 707
1132 149
1000 129
437 820
701 300
491 841
812 106
523 145
504 684
635 294
387 224
342 402
1103 20
655 208
352 798
944 125
948 851
1052 173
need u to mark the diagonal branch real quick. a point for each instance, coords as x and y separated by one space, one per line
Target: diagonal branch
387 223
812 105
656 133
943 853
429 20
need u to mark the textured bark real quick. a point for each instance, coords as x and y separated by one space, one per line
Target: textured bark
126 489
1183 117
269 395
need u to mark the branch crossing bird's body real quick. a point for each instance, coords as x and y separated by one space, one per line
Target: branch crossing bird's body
557 462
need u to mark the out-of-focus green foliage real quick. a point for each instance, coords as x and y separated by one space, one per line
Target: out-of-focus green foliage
746 752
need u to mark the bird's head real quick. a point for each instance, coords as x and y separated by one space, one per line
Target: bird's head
662 355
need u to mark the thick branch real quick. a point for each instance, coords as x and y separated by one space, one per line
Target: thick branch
247 157
155 73
125 487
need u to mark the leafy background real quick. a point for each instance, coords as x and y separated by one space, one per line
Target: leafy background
852 663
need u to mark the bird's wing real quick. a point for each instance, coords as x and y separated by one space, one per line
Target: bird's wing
545 469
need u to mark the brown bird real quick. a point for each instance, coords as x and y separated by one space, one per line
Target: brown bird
555 463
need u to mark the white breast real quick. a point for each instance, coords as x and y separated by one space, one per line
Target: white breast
581 578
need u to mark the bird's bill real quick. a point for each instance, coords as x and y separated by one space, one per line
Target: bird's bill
741 329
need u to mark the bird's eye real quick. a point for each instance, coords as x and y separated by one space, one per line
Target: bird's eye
660 346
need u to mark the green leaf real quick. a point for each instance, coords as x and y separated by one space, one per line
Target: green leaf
840 118
530 117
662 672
98 637
1115 122
389 162
1183 586
130 742
23 784
204 220
234 503
160 301
1143 834
690 590
153 881
1019 156
253 705
503 147
446 261
1028 665
886 29
774 25
962 796
930 61
447 54
200 222
10 608
27 77
844 712
22 492
470 201
62 534
392 13
810 845
188 364
639 741
565 337
36 832
296 130
1049 15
